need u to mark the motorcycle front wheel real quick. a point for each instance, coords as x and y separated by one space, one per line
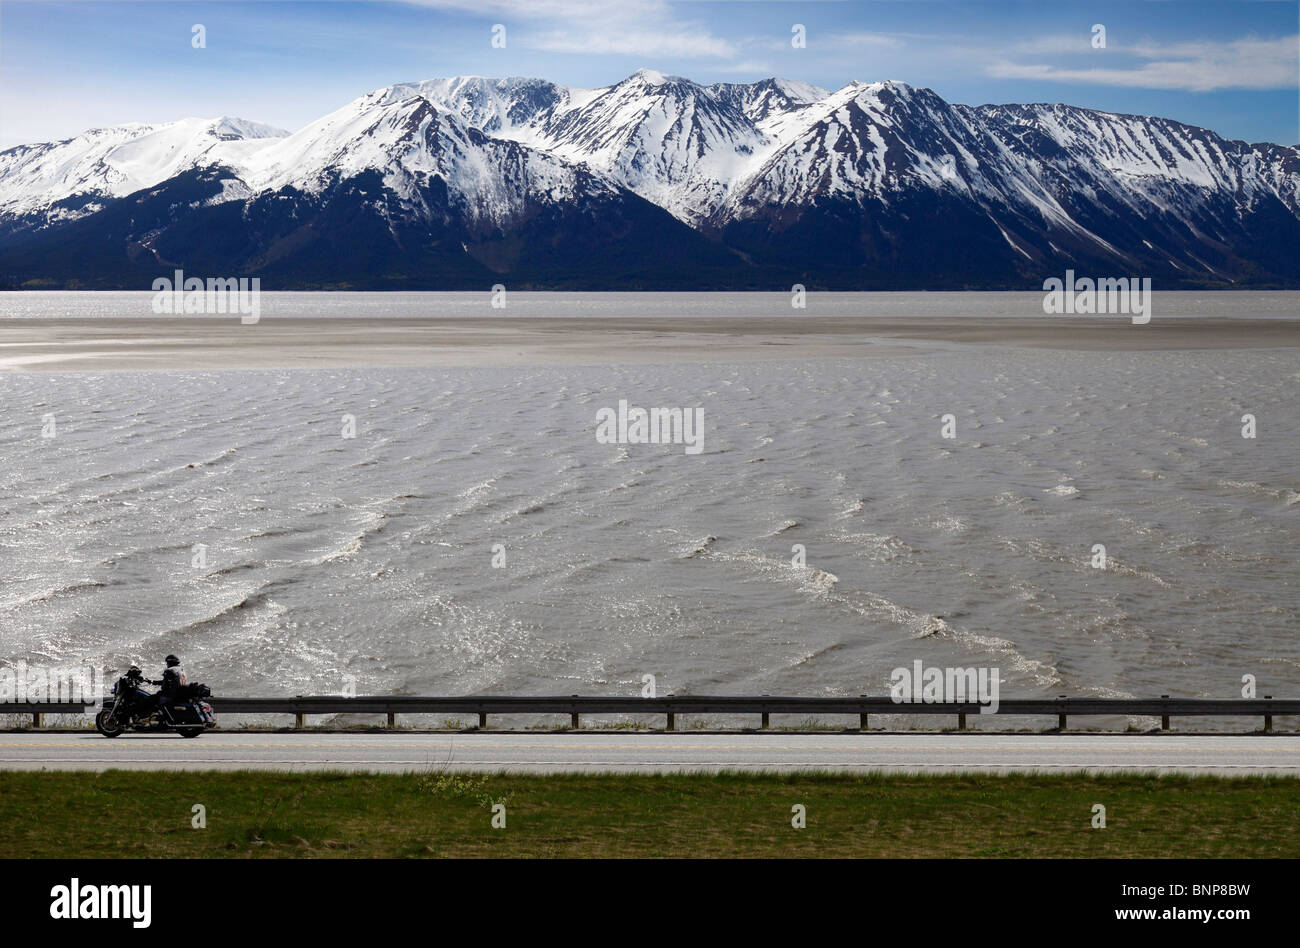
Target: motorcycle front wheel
105 725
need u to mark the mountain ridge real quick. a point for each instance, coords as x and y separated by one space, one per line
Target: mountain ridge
873 185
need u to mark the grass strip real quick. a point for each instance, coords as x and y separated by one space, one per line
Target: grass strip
442 814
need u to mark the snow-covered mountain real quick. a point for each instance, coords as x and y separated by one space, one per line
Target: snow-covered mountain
675 143
61 181
656 182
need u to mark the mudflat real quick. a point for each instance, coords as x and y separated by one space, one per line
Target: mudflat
196 343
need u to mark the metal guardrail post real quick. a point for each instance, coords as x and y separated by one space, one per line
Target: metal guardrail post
37 719
767 721
300 720
482 720
392 719
1060 718
1164 718
961 721
574 722
1268 718
672 721
863 724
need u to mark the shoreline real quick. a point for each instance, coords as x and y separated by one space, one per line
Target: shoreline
212 343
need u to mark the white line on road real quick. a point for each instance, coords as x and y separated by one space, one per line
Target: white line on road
541 753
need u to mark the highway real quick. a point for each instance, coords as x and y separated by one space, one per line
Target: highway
1229 755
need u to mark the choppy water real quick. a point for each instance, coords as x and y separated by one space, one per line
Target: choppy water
372 556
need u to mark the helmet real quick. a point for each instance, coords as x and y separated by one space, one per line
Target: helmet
172 661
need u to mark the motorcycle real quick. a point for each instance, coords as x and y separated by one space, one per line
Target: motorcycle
134 708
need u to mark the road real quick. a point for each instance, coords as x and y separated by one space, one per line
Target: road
656 752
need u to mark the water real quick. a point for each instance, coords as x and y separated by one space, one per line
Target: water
616 305
372 557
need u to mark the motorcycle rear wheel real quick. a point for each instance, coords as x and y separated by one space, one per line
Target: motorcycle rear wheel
190 731
107 727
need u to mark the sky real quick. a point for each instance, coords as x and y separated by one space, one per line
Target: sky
1232 66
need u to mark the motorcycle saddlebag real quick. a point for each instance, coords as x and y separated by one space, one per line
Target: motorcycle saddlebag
183 713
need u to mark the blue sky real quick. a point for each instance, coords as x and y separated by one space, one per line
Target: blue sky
1231 65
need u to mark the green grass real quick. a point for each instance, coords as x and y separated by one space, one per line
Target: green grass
265 814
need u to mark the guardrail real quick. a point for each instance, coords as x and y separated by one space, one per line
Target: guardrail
864 706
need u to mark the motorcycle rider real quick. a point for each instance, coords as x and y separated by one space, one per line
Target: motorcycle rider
172 681
173 678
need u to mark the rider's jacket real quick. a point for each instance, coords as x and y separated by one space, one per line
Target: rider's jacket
172 680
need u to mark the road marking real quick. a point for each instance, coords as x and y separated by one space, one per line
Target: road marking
724 764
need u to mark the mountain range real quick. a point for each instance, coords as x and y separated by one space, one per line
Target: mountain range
654 183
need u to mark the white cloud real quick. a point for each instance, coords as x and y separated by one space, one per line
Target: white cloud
1055 44
1193 67
685 43
820 41
620 27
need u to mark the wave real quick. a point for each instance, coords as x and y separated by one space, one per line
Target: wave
935 625
377 523
823 585
213 461
854 508
55 591
1043 674
269 533
818 653
1124 569
1286 495
878 547
250 600
345 552
820 580
701 547
1062 490
475 490
948 524
233 568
